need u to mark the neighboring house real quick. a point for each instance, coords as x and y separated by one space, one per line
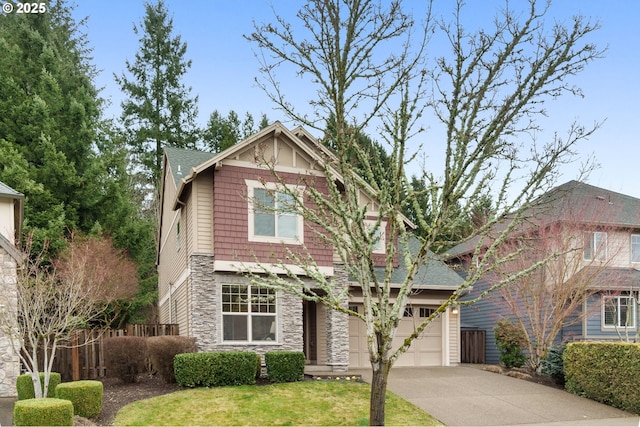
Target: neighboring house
209 232
608 231
11 205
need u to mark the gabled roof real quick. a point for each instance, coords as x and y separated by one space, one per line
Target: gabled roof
433 274
182 161
575 202
187 164
591 204
197 161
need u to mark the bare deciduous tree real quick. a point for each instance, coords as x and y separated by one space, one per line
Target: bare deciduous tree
364 61
555 295
52 300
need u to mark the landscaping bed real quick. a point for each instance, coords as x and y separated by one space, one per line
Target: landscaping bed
117 394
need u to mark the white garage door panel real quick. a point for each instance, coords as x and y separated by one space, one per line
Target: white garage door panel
424 351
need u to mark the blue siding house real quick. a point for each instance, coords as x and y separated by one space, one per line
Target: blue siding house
609 243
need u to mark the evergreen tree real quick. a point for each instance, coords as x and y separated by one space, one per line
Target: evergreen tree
158 110
49 111
223 132
55 149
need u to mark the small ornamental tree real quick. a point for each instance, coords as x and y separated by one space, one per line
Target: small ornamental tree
510 339
53 299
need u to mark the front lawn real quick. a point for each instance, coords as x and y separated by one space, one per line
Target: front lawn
301 403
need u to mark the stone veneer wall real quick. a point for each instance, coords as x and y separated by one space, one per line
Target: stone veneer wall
9 361
205 317
202 298
338 326
206 312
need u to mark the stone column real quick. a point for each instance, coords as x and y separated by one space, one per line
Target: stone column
338 326
203 324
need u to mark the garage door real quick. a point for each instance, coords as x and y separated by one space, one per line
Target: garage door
424 351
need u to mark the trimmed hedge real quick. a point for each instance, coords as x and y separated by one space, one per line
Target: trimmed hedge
215 369
43 412
24 385
605 372
162 351
284 366
125 357
86 397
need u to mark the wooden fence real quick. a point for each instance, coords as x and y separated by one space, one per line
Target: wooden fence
472 346
84 359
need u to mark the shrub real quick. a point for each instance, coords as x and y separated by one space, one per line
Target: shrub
24 385
284 366
215 369
606 372
43 412
510 340
125 357
552 364
86 397
162 351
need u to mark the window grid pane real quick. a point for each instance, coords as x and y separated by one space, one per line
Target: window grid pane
263 300
234 299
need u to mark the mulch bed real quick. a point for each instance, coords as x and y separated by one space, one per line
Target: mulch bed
525 374
117 394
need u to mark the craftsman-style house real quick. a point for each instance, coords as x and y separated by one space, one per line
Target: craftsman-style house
209 228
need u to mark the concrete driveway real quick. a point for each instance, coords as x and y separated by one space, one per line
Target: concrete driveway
469 396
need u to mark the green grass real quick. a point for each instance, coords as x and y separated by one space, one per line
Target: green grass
301 403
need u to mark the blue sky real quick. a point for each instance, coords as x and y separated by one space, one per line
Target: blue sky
224 68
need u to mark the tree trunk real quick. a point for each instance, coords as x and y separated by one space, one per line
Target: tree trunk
378 393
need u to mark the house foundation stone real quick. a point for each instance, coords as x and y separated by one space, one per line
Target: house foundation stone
9 361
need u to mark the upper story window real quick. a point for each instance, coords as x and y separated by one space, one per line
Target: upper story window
273 216
595 246
248 313
619 312
635 248
380 242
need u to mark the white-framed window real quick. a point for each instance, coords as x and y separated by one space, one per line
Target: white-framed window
595 246
635 248
248 313
380 243
273 217
618 311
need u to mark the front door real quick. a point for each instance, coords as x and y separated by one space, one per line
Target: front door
310 334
